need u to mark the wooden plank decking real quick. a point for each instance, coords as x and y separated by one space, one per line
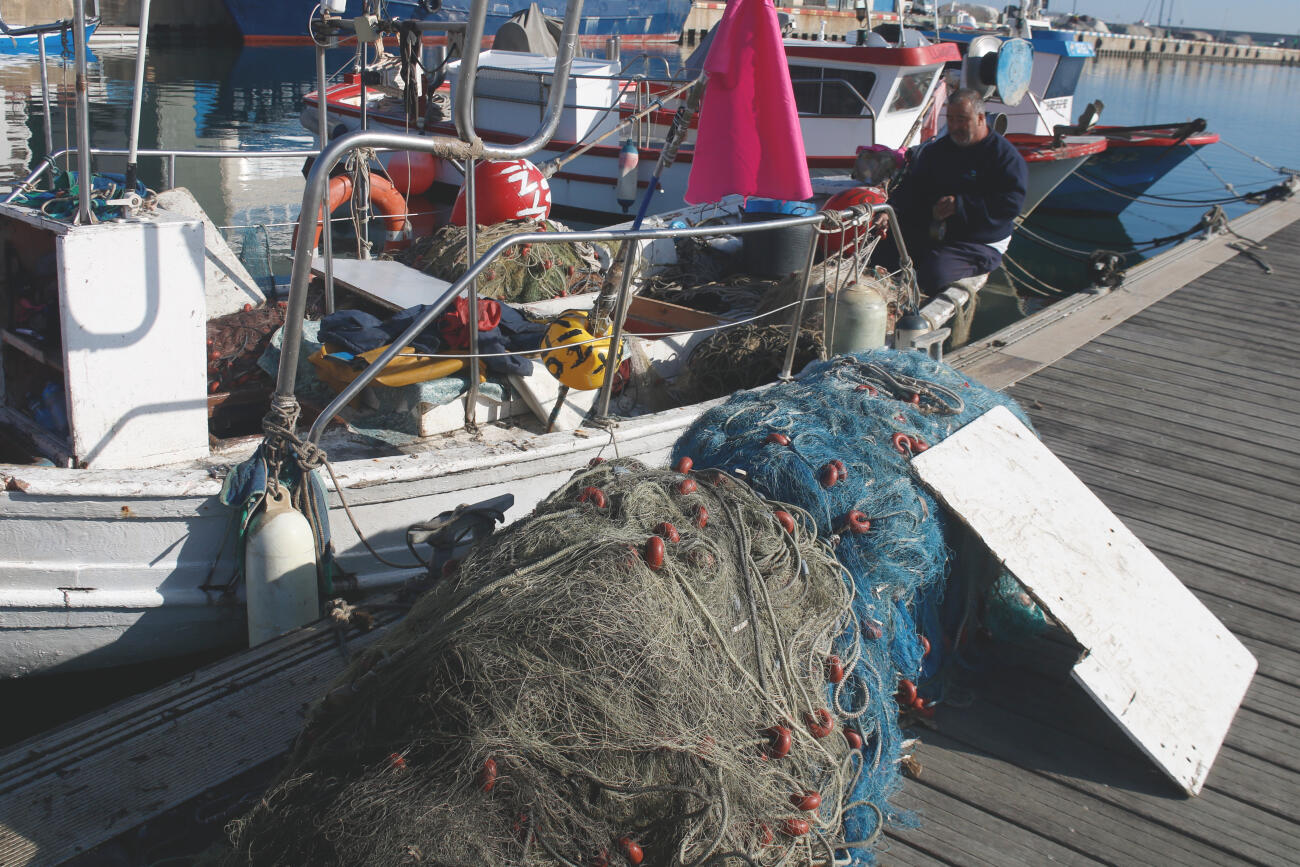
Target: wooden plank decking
1184 420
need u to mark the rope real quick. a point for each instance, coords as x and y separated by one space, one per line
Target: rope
282 445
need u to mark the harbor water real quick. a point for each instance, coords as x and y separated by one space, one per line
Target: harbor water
222 96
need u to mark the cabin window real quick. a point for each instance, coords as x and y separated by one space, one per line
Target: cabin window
911 90
830 92
1065 80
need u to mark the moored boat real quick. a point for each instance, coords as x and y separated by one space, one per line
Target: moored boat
285 23
1135 158
53 38
848 96
118 544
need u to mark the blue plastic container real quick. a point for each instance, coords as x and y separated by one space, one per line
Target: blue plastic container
773 254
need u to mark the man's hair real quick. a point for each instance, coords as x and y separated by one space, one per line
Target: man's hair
970 96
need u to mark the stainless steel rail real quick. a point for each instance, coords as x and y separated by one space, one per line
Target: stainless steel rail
51 159
439 304
469 147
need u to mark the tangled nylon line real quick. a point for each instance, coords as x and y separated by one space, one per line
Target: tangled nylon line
639 667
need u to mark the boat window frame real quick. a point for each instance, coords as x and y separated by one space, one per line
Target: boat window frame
898 90
844 90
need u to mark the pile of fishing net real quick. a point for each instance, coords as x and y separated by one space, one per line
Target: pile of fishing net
531 272
741 357
836 443
636 672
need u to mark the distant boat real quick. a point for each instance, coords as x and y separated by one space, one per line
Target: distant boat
57 36
285 21
1135 158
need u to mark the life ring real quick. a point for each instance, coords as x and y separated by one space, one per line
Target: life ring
385 199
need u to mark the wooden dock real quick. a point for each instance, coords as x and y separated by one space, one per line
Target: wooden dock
1185 420
1173 397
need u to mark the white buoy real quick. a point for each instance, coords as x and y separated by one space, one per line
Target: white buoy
625 189
279 570
857 319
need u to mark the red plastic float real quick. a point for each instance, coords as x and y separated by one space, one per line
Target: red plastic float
684 466
778 438
686 486
834 669
595 496
668 531
631 851
807 801
785 519
820 723
654 552
487 777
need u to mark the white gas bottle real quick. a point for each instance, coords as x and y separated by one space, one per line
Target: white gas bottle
857 319
279 570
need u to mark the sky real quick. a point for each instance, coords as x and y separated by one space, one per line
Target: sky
1270 16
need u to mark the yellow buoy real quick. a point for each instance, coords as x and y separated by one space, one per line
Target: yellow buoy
576 358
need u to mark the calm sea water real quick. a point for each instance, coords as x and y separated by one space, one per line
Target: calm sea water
222 96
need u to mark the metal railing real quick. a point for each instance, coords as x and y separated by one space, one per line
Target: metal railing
50 161
850 219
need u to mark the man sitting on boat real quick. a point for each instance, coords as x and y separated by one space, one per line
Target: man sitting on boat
959 198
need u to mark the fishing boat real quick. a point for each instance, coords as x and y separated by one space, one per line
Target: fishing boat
118 544
54 37
849 95
285 23
1135 157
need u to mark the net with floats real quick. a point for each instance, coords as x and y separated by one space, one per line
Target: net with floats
524 273
836 443
636 671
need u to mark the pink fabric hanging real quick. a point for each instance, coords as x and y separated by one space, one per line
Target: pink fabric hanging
748 141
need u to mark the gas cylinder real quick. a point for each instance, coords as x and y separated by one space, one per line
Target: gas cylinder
625 190
857 318
279 570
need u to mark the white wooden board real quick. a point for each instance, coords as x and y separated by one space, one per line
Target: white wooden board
1155 658
384 281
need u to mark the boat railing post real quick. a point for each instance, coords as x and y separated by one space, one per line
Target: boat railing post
471 241
466 147
84 180
323 134
171 170
795 322
45 97
614 356
137 96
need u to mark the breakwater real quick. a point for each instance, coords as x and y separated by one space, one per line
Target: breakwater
1168 48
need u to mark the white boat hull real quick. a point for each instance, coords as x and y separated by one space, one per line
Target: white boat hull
107 568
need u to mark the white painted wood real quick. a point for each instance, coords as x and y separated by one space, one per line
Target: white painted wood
133 317
1156 659
541 391
383 281
227 284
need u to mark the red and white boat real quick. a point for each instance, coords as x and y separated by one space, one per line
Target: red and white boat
848 96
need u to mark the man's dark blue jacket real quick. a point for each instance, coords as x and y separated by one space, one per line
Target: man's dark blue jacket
988 180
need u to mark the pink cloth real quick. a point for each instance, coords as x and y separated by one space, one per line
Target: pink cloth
748 141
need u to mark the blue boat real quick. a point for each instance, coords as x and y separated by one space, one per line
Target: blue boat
285 22
57 36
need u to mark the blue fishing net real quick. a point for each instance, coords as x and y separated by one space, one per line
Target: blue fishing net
837 442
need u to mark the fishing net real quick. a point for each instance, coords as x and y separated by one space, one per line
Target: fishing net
531 272
743 357
836 443
636 670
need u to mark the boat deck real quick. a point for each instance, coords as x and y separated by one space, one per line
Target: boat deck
1185 422
1181 418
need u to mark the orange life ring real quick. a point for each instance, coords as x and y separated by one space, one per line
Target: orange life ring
385 199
